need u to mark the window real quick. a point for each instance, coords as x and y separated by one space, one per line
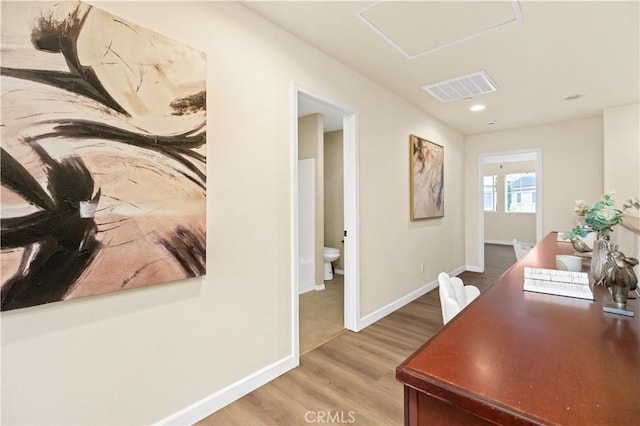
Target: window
490 193
520 193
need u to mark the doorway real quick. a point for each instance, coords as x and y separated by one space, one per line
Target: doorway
485 163
306 102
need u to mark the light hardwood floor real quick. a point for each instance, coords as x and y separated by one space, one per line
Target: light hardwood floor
352 377
322 314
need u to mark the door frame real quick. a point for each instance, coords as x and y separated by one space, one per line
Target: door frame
351 213
482 158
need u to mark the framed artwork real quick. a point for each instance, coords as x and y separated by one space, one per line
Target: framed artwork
103 155
427 178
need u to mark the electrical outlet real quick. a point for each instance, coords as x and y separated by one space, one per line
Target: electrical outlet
422 268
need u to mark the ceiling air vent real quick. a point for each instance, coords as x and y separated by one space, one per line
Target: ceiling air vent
462 87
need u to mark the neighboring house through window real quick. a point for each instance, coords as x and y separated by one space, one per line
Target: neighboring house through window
520 192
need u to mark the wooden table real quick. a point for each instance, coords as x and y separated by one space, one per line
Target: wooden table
515 357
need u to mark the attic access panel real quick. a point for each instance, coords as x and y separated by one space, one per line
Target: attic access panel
418 28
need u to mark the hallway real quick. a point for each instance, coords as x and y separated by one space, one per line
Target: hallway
354 374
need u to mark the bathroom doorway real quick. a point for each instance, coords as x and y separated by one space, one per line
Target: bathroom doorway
320 314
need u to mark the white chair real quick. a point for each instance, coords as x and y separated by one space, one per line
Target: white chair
454 295
521 249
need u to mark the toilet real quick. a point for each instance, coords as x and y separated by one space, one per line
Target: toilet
330 254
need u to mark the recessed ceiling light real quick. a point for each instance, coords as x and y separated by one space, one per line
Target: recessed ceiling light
477 107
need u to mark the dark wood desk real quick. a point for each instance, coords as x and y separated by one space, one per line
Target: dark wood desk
515 357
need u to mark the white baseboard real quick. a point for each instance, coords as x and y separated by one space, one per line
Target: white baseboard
458 271
393 306
338 271
318 287
475 268
500 242
212 403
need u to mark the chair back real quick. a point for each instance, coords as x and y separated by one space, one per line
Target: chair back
448 300
454 295
520 249
458 291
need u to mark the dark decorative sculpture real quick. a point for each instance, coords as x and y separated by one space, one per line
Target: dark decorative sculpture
619 276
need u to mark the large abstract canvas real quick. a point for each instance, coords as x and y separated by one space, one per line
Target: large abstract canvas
103 157
427 178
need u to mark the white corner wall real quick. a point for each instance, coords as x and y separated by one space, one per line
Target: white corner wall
622 167
173 352
572 169
622 152
311 146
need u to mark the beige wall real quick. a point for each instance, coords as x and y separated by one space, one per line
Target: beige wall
392 247
334 194
499 226
622 167
311 146
572 169
138 356
622 151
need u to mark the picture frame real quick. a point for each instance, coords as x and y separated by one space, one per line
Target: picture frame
426 162
104 149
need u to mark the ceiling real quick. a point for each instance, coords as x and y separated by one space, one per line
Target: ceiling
537 53
332 118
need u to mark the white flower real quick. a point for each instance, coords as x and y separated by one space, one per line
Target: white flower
608 214
580 207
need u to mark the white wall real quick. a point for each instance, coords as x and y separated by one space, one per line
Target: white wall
572 169
311 146
622 151
140 356
622 167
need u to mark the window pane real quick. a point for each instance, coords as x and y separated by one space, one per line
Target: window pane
520 192
490 193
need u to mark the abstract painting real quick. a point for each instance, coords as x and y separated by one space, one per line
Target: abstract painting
103 155
427 178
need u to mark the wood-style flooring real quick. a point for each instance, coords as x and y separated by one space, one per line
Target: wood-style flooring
351 379
321 314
